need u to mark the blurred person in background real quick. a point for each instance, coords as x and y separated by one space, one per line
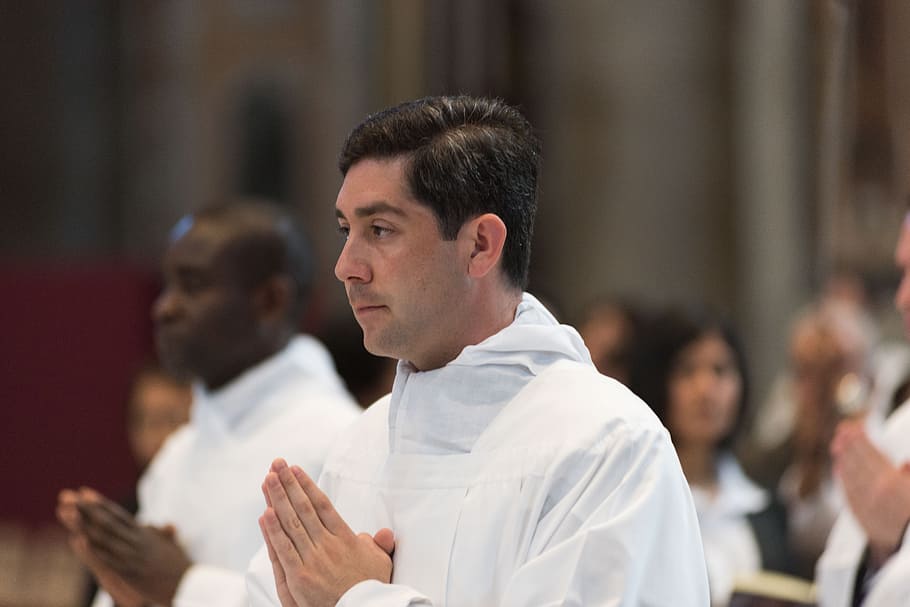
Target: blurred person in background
159 403
689 365
886 374
608 327
830 371
236 278
866 561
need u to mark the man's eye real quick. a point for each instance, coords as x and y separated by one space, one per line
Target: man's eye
344 231
380 231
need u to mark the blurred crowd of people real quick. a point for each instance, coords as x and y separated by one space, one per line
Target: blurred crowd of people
763 477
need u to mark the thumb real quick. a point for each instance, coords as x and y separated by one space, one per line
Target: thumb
385 539
168 531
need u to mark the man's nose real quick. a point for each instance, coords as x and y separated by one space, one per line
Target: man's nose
352 263
166 306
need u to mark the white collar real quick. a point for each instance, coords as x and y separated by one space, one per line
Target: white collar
736 494
445 410
225 409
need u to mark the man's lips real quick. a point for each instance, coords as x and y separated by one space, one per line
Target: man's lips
366 309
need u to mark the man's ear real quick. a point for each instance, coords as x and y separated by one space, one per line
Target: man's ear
273 298
485 237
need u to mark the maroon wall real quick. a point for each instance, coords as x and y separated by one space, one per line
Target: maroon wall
72 336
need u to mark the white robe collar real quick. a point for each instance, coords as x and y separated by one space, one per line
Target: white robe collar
226 410
444 411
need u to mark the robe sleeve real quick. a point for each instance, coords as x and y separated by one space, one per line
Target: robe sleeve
204 585
622 532
892 584
260 582
619 528
372 593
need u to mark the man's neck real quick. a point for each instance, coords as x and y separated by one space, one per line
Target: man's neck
217 381
481 319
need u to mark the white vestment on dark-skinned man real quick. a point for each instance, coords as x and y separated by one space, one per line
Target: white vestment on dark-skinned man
206 479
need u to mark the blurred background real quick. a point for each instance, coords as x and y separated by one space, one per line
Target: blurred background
738 152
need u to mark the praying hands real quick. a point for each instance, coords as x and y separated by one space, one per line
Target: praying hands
315 556
136 564
878 491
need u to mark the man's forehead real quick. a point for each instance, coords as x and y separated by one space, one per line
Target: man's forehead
372 181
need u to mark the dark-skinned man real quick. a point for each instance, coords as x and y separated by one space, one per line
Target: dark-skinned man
235 279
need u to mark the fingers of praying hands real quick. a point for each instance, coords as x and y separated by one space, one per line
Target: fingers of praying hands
878 491
145 558
315 556
122 593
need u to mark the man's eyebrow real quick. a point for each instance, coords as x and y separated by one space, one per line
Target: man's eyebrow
373 209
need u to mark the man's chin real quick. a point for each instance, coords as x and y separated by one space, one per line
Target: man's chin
173 361
376 347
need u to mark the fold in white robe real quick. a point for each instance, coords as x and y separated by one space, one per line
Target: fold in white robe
206 479
515 476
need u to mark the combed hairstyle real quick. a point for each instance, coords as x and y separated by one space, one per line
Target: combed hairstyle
266 242
464 156
657 352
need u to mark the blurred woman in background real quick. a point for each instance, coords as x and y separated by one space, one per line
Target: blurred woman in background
689 367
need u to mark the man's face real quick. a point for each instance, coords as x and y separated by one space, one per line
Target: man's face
404 282
902 259
204 318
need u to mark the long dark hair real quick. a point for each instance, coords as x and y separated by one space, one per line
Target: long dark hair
657 351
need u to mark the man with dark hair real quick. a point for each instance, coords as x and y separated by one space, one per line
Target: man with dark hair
236 277
503 469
